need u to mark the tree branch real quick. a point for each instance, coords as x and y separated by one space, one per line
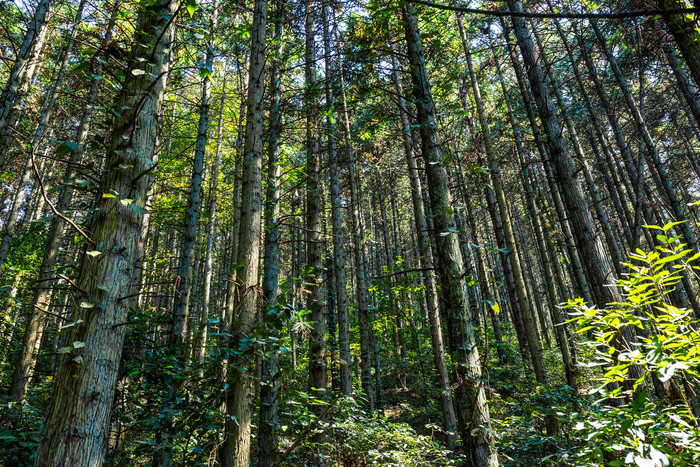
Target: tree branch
53 208
527 14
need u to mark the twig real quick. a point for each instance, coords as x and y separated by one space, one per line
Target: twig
306 431
527 14
404 271
70 281
53 208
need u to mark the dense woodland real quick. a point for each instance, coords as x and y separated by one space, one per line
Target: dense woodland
347 232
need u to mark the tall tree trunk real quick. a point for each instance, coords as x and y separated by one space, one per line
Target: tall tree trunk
545 254
587 241
474 422
528 316
85 382
183 282
685 30
337 222
318 375
211 227
578 275
270 371
236 448
14 92
56 231
592 255
426 265
362 288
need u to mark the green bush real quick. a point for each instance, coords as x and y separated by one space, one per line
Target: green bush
647 420
352 438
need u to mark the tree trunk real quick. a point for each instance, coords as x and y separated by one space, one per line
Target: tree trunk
272 316
56 231
12 97
77 424
337 223
211 227
474 423
318 376
236 448
183 282
528 316
426 265
685 30
592 255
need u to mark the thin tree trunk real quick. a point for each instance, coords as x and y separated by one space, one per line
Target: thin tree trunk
528 316
425 262
337 222
211 227
474 422
270 371
236 448
318 375
183 283
362 289
14 92
56 231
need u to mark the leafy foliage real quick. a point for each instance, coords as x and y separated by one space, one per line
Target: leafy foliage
648 420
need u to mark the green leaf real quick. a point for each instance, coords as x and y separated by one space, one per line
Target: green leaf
138 209
65 147
670 225
191 6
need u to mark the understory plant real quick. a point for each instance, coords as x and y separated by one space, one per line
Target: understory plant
649 419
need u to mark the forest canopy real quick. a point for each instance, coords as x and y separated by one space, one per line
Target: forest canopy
349 232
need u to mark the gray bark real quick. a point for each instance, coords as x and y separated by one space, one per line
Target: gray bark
474 422
77 424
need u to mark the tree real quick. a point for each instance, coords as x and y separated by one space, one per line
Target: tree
236 448
472 410
84 389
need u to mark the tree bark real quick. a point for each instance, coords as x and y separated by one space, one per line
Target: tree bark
183 282
270 371
341 293
236 448
425 262
529 320
685 30
77 424
14 92
56 230
474 422
318 376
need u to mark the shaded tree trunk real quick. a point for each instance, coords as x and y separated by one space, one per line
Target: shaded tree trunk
425 262
272 316
85 382
21 73
236 448
528 316
473 413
